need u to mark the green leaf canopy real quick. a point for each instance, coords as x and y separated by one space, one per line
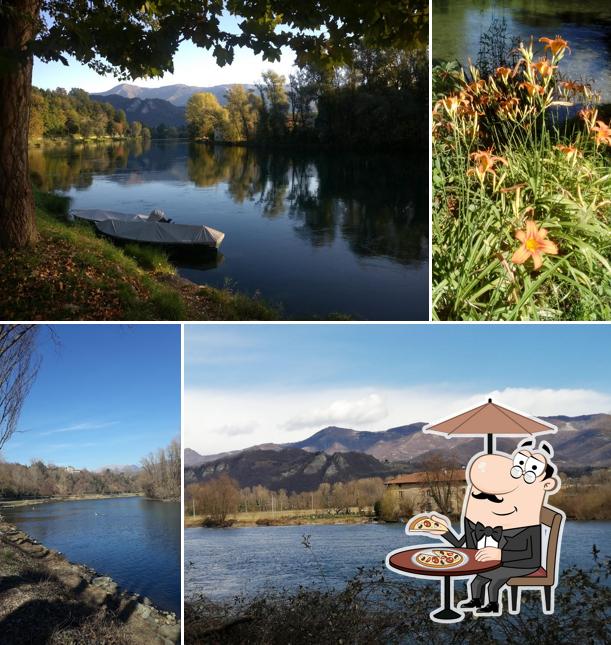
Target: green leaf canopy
135 38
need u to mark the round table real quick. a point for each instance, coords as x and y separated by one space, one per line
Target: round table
401 562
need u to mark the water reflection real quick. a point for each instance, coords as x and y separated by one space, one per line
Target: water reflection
372 207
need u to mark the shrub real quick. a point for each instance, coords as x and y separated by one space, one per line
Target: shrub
377 606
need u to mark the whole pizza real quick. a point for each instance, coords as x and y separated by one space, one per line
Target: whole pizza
440 558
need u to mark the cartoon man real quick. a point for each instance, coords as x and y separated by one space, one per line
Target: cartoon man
501 514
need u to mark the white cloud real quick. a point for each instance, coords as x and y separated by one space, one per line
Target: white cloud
285 415
369 409
79 427
236 430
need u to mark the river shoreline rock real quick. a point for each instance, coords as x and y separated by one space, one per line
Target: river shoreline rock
149 625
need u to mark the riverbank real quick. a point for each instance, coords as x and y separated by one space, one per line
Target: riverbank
72 274
17 503
278 518
77 139
377 607
45 598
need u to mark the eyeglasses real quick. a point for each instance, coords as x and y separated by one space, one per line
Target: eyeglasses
529 475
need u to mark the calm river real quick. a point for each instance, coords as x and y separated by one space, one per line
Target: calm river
221 563
315 233
133 540
458 24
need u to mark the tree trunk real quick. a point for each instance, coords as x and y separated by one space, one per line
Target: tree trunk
17 221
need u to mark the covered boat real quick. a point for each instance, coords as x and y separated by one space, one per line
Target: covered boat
97 215
154 228
160 233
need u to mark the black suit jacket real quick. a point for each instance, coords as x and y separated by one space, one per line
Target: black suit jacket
520 547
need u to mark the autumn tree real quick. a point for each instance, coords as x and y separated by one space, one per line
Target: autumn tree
139 39
443 477
242 114
303 91
204 114
274 105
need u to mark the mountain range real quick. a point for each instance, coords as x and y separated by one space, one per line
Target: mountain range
341 454
153 106
150 112
293 469
177 95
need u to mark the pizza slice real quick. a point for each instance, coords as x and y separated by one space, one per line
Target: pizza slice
427 524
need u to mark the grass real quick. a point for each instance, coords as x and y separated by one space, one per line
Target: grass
36 607
7 555
149 258
72 274
506 166
283 518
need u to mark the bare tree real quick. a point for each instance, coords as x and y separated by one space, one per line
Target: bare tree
160 476
18 369
442 478
216 498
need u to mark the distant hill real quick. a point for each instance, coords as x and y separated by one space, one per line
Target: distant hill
130 469
150 112
292 469
177 95
581 443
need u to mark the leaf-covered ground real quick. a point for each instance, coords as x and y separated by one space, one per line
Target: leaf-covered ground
71 274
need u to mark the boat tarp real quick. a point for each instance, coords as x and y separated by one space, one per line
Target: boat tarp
96 215
158 233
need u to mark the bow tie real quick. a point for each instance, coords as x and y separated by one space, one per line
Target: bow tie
481 531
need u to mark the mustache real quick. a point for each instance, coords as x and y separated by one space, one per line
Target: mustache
489 496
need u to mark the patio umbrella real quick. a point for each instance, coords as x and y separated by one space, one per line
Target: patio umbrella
488 420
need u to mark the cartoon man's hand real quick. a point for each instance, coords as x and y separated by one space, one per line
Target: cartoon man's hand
487 554
428 523
444 523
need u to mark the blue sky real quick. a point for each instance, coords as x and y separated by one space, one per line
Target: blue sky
105 395
192 66
251 384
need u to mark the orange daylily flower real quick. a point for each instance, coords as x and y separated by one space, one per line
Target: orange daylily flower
602 133
452 103
544 68
534 245
530 88
476 86
504 73
557 45
509 107
576 88
484 163
570 151
588 116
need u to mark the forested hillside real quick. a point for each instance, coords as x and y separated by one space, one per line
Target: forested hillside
150 112
158 478
57 113
45 480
